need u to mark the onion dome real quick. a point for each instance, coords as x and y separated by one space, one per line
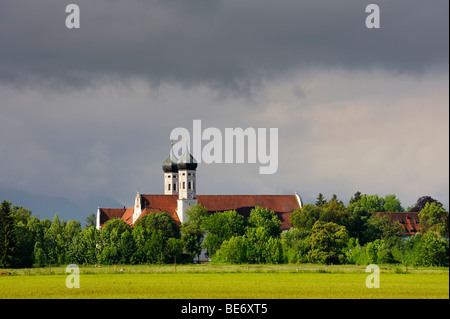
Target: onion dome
170 164
187 161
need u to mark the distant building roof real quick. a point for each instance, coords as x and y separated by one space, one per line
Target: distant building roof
409 220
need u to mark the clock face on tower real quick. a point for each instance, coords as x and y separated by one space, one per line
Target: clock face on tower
189 195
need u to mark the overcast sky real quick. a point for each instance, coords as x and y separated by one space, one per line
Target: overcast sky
88 112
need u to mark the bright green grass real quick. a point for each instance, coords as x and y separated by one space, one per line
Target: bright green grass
225 282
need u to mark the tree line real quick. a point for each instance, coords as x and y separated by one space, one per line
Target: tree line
327 232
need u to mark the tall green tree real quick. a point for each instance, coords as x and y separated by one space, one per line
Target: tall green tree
358 222
24 237
257 237
382 227
379 253
433 217
263 217
221 226
392 204
335 212
433 251
109 242
355 198
90 221
7 240
294 243
54 244
372 203
159 221
320 200
233 250
127 247
305 217
192 238
327 242
192 230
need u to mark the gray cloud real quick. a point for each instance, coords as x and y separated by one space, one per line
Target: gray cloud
224 44
88 112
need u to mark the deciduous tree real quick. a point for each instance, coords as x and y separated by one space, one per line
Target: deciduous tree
327 242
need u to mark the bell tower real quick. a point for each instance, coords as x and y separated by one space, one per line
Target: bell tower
187 183
137 207
170 169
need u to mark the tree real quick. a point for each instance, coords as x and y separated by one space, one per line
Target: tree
273 251
110 237
91 220
334 212
7 242
294 243
126 247
378 252
335 199
263 217
432 251
305 217
355 198
196 213
320 200
327 242
358 218
221 226
421 202
257 237
24 237
192 230
382 227
159 221
83 248
392 204
192 238
114 223
233 250
54 243
434 218
372 203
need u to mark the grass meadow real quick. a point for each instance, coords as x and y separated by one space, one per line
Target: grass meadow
226 282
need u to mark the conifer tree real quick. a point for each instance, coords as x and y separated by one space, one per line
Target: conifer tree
6 235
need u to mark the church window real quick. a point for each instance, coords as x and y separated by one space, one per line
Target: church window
189 185
184 185
168 187
174 187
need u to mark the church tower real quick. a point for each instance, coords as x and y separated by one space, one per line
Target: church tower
187 166
137 207
170 169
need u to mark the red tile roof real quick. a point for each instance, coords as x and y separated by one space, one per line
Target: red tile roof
109 213
160 203
409 220
282 205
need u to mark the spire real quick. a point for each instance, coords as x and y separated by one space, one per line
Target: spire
170 164
187 161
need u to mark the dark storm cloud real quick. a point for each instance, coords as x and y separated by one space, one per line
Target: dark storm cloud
231 44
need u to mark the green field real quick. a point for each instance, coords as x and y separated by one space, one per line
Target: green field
226 282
